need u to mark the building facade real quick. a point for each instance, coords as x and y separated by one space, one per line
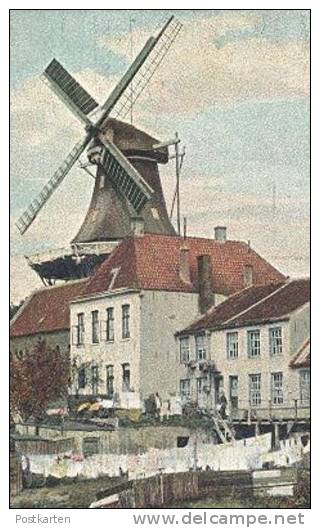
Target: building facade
124 324
122 343
245 348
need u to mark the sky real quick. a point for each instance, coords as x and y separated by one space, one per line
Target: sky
235 86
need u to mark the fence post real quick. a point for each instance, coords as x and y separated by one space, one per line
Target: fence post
161 488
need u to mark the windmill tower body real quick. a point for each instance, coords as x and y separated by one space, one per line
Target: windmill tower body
110 215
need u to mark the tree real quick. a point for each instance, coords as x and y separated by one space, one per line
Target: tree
41 377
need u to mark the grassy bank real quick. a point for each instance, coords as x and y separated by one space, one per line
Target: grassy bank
76 494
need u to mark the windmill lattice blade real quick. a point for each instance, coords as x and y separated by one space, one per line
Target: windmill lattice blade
124 82
36 205
162 45
124 177
69 90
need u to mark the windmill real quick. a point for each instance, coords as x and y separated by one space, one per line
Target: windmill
127 179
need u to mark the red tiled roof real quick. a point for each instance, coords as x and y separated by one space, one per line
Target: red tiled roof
295 294
236 304
302 357
46 310
254 305
151 262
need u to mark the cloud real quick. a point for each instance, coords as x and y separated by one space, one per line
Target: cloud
197 74
22 279
249 216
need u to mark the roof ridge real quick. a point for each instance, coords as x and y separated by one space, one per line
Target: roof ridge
214 307
285 277
194 237
257 303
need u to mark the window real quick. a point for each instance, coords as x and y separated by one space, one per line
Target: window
254 343
255 389
110 324
185 389
125 321
125 377
201 352
82 378
304 386
184 349
232 345
201 385
95 326
95 379
275 341
80 329
277 388
110 380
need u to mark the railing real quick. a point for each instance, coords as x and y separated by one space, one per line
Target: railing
292 409
83 249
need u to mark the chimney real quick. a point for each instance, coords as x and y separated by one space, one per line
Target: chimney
206 295
137 226
248 276
184 264
220 233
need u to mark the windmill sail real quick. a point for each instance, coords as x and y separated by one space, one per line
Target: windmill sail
36 205
161 46
69 90
127 78
125 178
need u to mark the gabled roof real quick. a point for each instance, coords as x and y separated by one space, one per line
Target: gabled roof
302 357
46 310
255 305
151 262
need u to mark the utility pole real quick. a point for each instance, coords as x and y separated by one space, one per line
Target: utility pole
181 156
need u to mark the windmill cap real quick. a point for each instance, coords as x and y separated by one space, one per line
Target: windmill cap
133 141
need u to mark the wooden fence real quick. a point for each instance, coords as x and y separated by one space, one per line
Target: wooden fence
165 489
43 446
15 474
